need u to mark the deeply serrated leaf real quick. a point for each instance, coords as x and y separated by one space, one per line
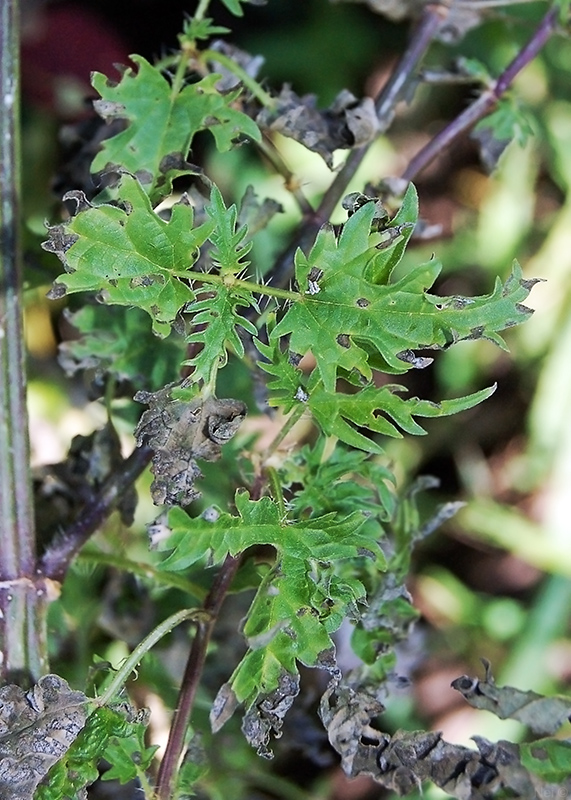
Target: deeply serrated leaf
129 254
229 251
260 522
347 481
217 319
349 322
292 615
162 124
378 410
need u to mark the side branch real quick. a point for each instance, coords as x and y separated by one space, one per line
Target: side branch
385 104
194 667
486 102
58 556
191 678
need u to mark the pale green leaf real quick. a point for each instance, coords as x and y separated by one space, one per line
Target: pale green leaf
162 124
129 254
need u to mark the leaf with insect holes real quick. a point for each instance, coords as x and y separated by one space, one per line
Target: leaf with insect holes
129 254
163 123
287 386
350 321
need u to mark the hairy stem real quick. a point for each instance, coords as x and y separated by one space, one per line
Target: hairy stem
385 104
250 83
232 282
197 615
191 677
487 100
58 556
268 149
22 602
293 418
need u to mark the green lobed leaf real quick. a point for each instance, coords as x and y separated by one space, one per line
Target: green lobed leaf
129 254
194 29
216 316
283 627
350 322
378 410
288 385
78 768
128 755
296 607
229 249
507 122
347 481
548 758
162 124
326 538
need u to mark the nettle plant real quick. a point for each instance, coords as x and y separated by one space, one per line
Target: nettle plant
317 530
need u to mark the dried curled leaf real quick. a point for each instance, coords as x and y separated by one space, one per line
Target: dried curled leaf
348 122
266 716
407 759
180 431
249 63
61 490
543 715
37 727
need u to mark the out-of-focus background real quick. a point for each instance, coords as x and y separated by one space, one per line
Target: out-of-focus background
495 582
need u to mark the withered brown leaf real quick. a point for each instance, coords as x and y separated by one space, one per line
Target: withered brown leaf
266 716
61 490
403 761
543 715
37 728
180 432
347 123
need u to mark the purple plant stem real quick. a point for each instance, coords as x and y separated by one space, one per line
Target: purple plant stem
385 104
58 556
195 665
487 100
191 678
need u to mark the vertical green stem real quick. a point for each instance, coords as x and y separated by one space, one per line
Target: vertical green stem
22 602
